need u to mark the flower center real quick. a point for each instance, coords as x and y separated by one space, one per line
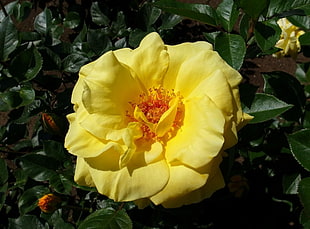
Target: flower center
159 112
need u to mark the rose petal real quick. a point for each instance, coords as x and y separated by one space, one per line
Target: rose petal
200 138
109 87
178 54
135 181
79 142
187 71
214 183
220 92
82 175
167 119
182 181
148 62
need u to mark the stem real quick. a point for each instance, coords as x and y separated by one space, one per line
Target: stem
121 206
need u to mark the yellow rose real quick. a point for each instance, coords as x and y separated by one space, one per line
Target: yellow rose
288 42
152 124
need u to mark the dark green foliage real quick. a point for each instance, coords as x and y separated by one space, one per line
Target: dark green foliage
39 66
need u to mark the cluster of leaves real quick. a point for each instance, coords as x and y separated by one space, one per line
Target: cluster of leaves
39 65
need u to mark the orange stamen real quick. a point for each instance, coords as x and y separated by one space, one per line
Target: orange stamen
153 105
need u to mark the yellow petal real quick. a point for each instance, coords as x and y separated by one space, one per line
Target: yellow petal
148 62
79 142
217 88
139 116
76 97
200 138
185 77
107 160
142 203
78 88
82 175
135 181
182 181
214 182
178 54
288 41
154 154
109 87
166 121
104 126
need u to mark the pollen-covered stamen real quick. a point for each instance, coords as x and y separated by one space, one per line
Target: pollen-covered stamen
151 107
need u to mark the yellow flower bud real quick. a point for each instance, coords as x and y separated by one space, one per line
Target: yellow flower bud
49 203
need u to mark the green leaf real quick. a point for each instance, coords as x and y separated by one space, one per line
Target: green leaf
118 27
61 184
8 38
72 20
17 97
302 74
39 167
169 21
51 60
290 183
246 26
29 64
22 10
73 62
3 181
279 6
306 225
98 17
288 89
300 21
107 219
306 121
211 36
121 43
29 36
304 195
3 194
4 172
56 32
232 49
267 34
20 178
199 12
9 100
227 13
15 132
43 21
253 7
9 8
300 147
30 220
265 107
305 39
29 199
150 15
136 36
57 221
55 150
98 41
82 35
27 95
